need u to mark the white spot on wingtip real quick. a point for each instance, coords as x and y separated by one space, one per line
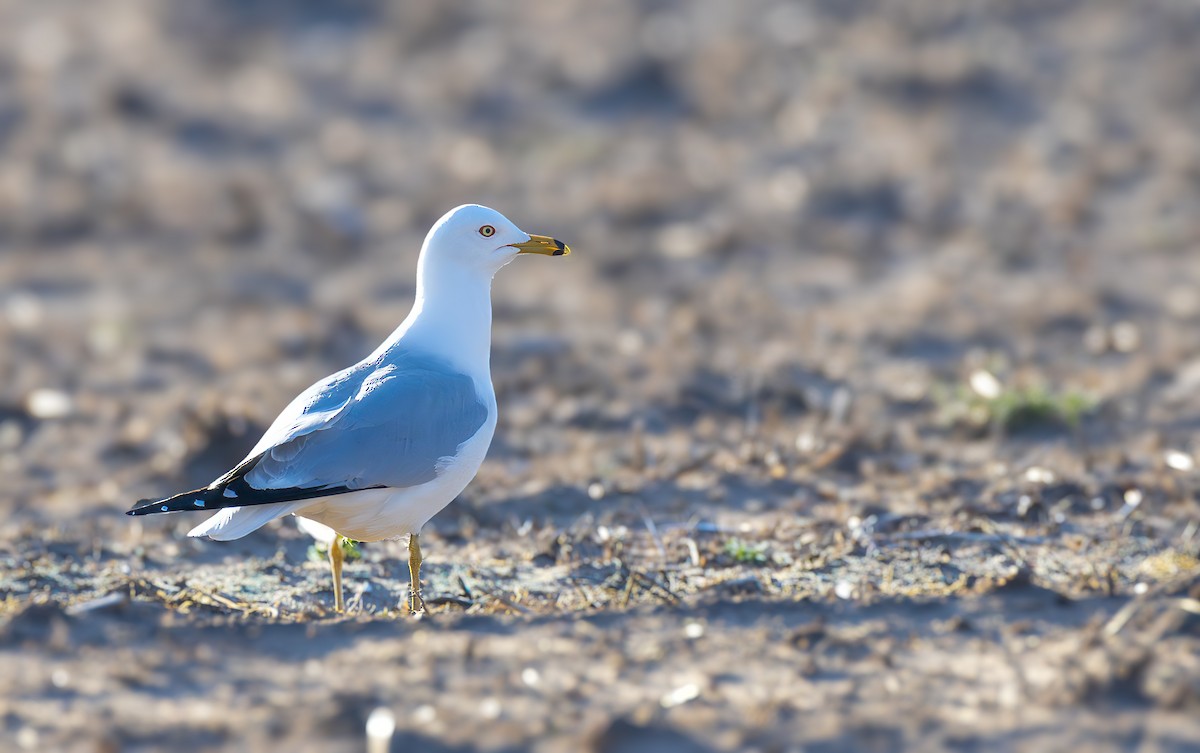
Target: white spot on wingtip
229 493
199 503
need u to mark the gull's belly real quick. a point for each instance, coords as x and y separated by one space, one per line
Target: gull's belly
377 514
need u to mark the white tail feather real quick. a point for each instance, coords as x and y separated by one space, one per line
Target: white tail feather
235 522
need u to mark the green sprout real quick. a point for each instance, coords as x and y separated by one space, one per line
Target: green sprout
351 550
746 553
1033 406
1011 408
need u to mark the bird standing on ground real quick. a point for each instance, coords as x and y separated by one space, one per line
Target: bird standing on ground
374 451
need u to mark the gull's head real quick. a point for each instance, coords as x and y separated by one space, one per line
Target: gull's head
479 238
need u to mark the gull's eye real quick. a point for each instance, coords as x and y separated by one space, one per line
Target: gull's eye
487 231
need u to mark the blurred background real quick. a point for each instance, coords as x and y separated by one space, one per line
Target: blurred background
203 206
860 257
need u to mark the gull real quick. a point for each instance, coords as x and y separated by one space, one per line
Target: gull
375 450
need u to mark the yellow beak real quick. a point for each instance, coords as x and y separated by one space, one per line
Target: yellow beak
542 244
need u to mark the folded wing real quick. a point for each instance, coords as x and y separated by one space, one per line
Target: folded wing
386 424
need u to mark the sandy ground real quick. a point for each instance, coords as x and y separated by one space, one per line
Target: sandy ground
865 416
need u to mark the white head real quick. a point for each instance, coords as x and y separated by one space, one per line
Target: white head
452 309
478 238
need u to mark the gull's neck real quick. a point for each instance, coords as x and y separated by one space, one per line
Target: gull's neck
451 318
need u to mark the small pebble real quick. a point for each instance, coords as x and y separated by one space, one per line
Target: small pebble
47 404
985 384
630 342
1039 475
27 738
681 695
489 708
1125 337
1180 461
806 443
1024 505
381 725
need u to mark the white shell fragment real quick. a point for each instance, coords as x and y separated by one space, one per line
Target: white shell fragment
1180 461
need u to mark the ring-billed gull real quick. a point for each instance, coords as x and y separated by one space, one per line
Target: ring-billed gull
374 451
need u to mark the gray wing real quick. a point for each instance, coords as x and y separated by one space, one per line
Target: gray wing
404 418
313 408
376 424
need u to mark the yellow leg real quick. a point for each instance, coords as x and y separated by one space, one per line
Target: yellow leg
415 602
335 566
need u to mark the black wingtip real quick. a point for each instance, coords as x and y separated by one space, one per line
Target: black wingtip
177 503
233 493
141 507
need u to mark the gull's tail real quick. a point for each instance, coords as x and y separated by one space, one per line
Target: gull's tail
235 522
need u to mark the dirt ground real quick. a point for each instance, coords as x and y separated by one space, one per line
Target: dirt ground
864 417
